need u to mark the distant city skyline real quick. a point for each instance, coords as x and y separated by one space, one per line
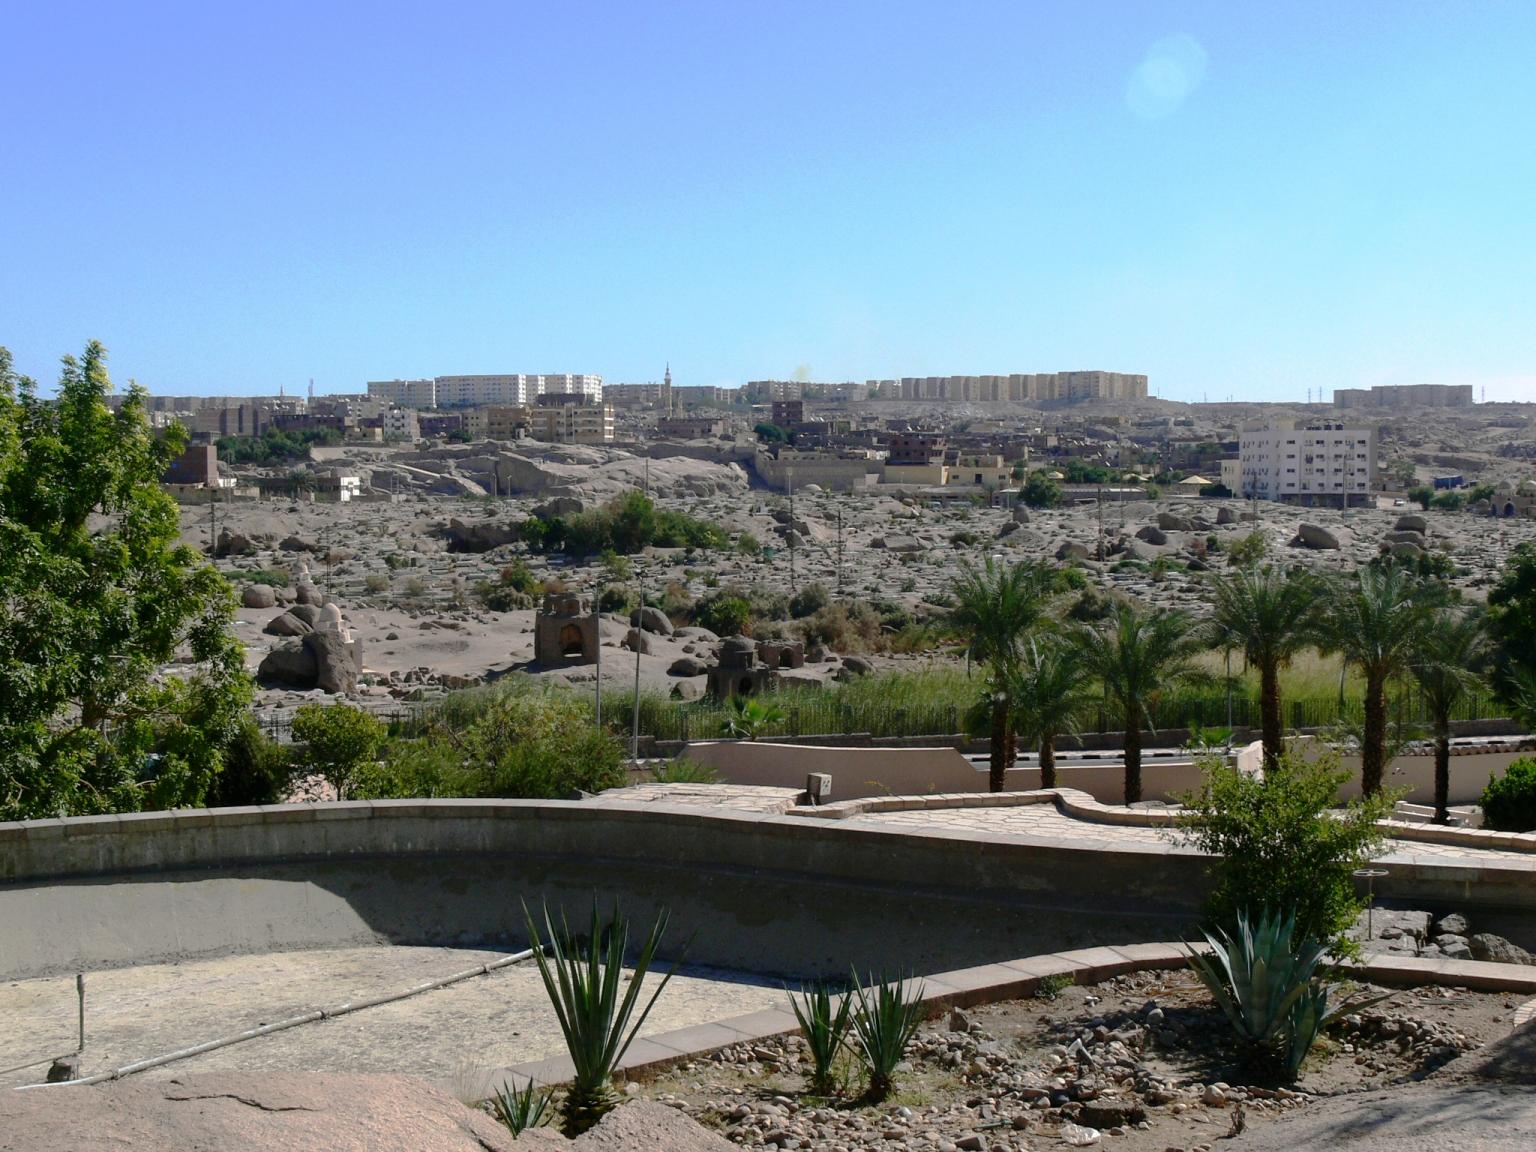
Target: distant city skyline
1235 201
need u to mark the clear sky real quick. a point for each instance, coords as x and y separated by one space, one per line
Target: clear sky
1234 198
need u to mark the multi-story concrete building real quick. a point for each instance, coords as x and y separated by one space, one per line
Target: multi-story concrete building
1016 387
703 396
479 391
1319 464
1405 396
504 422
400 424
573 423
648 395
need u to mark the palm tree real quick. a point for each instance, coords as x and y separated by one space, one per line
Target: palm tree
995 606
1049 693
1134 653
1269 614
1373 619
748 718
1442 662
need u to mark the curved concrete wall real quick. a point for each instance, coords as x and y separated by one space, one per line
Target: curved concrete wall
770 893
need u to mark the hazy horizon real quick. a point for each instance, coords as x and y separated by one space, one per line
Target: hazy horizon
1233 201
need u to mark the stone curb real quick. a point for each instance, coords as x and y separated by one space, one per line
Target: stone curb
990 983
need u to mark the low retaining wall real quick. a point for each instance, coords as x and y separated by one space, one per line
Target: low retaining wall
861 772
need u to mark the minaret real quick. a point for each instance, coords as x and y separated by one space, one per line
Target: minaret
666 387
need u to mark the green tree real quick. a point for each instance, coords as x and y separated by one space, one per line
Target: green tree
1135 653
1422 495
748 718
1040 491
1448 501
97 595
1249 550
994 607
1443 662
1512 622
340 743
1050 692
1281 845
1373 619
1269 615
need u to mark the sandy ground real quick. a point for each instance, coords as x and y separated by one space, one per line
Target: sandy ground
490 1021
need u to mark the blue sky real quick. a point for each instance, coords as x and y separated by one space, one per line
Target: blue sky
1236 199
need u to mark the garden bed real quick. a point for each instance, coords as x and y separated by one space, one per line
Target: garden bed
1144 1060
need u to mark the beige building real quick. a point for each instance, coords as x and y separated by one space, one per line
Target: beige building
573 424
1405 396
1018 387
1328 464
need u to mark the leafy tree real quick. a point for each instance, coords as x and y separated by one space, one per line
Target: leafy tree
1050 692
994 607
1509 801
1040 491
1281 845
724 615
1269 614
1422 495
1512 621
1135 653
256 770
1448 501
97 595
1442 662
340 743
1373 619
1249 550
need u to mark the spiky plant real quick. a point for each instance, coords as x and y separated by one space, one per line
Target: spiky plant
583 977
885 1018
825 1029
1264 982
519 1109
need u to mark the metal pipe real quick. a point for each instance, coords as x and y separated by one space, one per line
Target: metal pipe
291 1022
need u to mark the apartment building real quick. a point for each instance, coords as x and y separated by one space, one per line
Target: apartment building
400 424
1316 464
649 395
483 390
703 396
480 391
573 424
406 393
1017 387
1405 396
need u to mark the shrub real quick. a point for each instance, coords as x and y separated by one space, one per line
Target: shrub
1423 496
1280 845
825 1029
520 578
1263 980
1249 550
583 977
885 1018
1040 491
747 544
256 770
613 598
377 583
520 1109
274 577
808 601
1509 801
724 614
340 741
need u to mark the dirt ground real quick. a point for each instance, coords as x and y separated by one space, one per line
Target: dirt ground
1150 1050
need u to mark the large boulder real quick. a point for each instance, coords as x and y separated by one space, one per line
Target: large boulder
1225 515
559 506
1405 536
636 641
1072 550
335 670
1411 522
1317 537
307 593
651 620
1168 522
258 596
1152 535
298 544
309 613
1486 946
688 666
1020 514
288 665
480 537
232 544
857 665
1404 551
289 623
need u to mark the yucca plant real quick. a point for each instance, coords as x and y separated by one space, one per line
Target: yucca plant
1264 981
825 1029
519 1109
885 1018
583 979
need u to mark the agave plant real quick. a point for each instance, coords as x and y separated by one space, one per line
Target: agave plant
1264 981
519 1109
885 1018
825 1028
583 978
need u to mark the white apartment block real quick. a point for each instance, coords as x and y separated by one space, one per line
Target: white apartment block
406 393
1018 387
1327 464
479 391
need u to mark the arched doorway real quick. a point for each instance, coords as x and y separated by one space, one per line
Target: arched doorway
570 640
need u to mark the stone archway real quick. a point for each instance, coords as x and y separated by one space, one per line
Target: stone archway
570 640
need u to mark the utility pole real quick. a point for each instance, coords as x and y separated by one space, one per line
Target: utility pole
213 523
634 727
839 549
597 614
789 536
1101 525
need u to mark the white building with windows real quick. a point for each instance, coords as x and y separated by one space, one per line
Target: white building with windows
1315 464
